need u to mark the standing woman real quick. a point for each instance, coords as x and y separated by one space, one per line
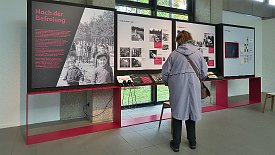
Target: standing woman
184 88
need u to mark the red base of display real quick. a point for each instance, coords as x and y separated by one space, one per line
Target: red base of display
145 119
152 118
221 103
72 90
241 103
212 108
39 138
70 133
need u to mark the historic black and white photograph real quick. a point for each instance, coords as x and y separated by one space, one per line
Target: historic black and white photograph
203 50
136 52
165 47
152 54
199 43
137 33
124 51
246 47
165 37
208 40
92 51
125 62
136 62
155 35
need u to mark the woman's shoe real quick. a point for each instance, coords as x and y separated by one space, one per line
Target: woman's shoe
192 145
173 147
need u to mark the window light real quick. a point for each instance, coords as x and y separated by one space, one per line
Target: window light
260 0
271 2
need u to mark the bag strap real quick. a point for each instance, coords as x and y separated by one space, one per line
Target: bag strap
192 65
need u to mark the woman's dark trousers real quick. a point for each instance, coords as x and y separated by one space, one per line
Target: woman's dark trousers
177 129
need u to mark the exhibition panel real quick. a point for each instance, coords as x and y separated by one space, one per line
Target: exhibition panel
204 37
144 43
238 46
69 46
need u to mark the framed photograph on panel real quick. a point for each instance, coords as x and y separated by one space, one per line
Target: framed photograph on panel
231 50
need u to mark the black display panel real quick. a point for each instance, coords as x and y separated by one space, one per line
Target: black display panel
69 46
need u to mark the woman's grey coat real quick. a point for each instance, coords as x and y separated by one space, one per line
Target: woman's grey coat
183 83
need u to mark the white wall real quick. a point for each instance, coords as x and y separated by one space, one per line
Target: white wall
13 43
268 55
12 31
240 87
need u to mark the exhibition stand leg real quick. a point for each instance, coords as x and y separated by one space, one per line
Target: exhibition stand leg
117 106
255 90
221 96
